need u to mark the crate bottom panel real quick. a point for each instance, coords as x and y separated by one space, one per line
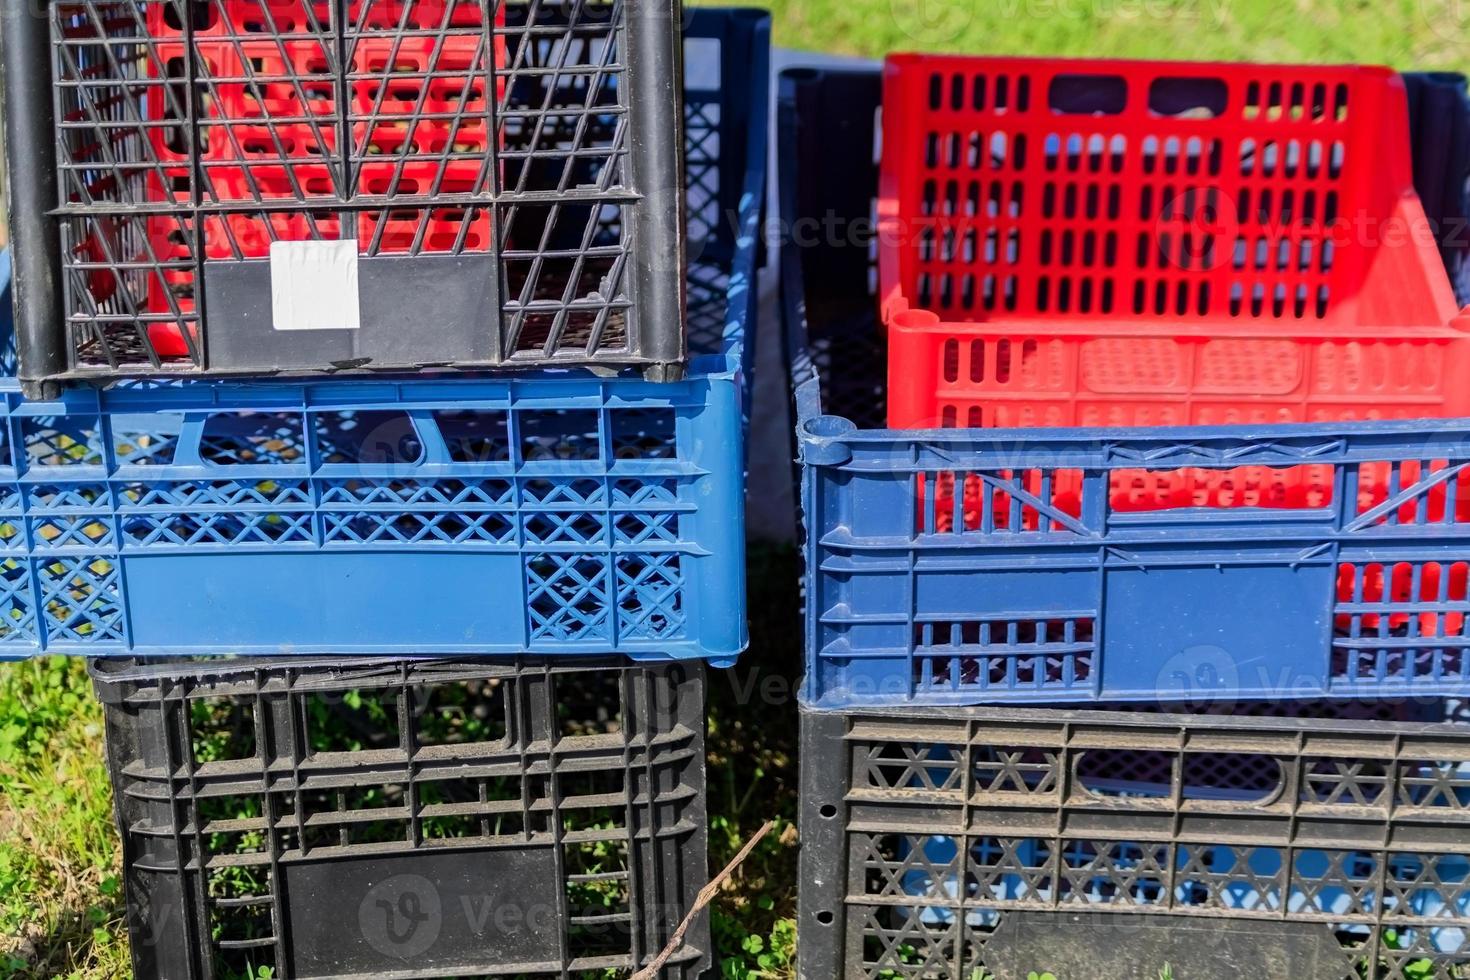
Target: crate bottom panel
395 818
1321 843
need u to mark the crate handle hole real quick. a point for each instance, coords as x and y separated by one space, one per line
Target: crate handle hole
201 15
1088 95
828 427
1189 98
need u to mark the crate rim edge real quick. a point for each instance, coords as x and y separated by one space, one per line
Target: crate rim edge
1181 68
903 319
219 670
1122 716
822 435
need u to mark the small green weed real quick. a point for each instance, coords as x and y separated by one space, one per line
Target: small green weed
61 911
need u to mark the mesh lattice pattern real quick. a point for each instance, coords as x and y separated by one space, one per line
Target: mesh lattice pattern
1183 816
583 787
1379 540
193 135
1122 244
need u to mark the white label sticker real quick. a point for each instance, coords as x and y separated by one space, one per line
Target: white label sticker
314 286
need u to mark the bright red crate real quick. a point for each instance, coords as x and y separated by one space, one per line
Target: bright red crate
418 112
223 18
1092 243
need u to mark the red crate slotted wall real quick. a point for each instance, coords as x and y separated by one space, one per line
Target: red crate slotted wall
1078 243
1089 243
267 77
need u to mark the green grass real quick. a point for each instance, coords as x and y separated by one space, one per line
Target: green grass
60 900
1419 33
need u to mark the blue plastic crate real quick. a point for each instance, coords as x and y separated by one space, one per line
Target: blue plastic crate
547 513
915 596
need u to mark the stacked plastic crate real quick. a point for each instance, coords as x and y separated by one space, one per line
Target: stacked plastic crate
368 426
1136 396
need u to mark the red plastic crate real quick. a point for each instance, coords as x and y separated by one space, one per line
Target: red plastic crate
270 114
419 96
418 111
1090 243
221 18
418 114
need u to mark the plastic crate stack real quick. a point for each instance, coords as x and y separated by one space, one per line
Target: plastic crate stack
403 658
1131 447
256 186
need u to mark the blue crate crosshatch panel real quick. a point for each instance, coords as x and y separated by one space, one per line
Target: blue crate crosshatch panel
919 595
540 513
1191 603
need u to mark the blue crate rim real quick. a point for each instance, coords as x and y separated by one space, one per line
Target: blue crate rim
327 670
1090 714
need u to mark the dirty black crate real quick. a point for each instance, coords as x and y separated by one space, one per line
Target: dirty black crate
1330 843
1439 120
383 818
250 186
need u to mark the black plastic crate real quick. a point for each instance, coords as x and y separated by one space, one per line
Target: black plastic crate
1439 119
395 819
252 186
1331 843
